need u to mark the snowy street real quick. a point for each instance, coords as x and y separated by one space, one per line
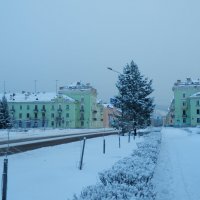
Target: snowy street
177 174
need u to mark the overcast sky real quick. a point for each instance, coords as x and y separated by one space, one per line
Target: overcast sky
75 40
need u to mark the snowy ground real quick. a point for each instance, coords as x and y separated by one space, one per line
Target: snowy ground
52 173
177 175
31 133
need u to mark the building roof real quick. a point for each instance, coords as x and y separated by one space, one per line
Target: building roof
77 85
188 82
106 105
195 95
34 97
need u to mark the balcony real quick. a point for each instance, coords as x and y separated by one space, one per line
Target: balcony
35 110
43 110
59 110
82 118
12 110
184 115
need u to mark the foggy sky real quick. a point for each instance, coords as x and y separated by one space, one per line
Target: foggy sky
76 40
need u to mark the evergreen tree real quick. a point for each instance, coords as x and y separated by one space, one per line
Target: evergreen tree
5 121
134 101
1 115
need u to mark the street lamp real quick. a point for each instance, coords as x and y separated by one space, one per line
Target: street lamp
113 70
122 108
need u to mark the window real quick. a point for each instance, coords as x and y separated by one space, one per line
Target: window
52 107
20 107
28 107
43 123
67 107
82 123
35 125
198 112
27 115
43 107
28 124
82 99
43 115
52 115
197 102
184 112
184 120
20 115
36 107
52 123
20 124
36 115
198 120
67 115
184 103
183 95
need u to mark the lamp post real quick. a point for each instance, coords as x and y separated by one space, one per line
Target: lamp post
122 108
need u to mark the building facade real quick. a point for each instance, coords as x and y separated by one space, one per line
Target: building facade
185 108
75 106
30 110
89 110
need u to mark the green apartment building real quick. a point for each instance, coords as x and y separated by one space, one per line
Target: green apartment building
89 110
75 106
185 107
32 110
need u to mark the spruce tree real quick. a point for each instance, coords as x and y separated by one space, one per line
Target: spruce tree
134 98
6 121
1 115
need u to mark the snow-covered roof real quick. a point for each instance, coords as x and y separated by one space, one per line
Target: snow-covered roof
77 85
106 105
195 95
34 97
188 82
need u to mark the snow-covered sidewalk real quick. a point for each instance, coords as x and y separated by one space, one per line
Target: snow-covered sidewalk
177 175
36 132
52 173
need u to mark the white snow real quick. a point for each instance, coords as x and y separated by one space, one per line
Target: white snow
35 132
34 97
177 176
52 173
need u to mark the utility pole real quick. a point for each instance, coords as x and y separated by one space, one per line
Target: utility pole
5 173
122 108
4 87
35 84
4 179
56 86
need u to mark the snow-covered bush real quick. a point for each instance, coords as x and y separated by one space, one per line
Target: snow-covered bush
129 178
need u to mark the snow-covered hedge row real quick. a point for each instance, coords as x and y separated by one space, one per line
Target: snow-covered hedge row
130 178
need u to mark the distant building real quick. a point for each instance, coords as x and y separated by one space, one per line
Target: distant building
75 106
110 115
89 111
185 108
31 110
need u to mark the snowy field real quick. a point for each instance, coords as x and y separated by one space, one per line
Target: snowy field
52 173
31 133
177 174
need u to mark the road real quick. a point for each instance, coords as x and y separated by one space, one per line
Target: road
177 174
26 144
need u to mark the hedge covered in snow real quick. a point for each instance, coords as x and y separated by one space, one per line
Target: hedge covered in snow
129 178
